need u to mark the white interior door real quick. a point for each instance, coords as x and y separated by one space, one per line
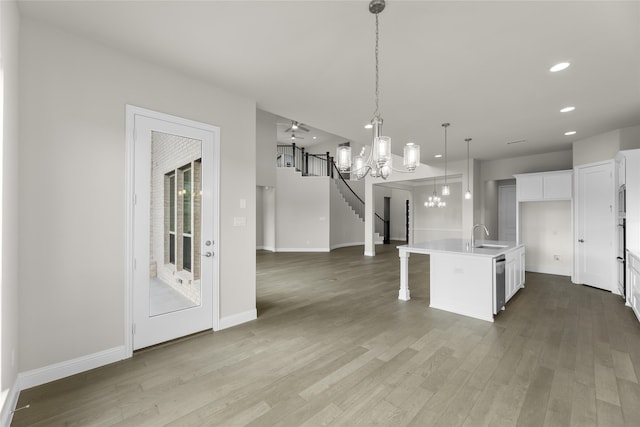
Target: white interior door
174 233
507 213
595 226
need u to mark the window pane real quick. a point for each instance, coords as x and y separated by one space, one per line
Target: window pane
186 202
172 203
186 253
172 249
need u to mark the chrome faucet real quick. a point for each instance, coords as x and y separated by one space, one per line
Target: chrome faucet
473 232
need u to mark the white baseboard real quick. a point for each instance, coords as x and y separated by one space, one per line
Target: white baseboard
302 250
266 248
543 270
9 400
67 368
237 319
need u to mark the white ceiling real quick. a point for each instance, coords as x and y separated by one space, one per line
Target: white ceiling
483 66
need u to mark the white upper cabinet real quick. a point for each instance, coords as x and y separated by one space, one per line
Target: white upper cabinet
533 187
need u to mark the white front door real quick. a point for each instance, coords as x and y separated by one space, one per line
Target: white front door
507 213
174 232
595 226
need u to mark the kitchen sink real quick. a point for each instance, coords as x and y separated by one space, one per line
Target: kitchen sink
490 246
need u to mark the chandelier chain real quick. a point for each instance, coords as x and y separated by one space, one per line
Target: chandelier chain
376 113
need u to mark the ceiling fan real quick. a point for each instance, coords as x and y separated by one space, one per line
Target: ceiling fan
294 136
295 126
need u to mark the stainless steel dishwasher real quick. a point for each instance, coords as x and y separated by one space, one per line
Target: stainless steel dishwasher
500 283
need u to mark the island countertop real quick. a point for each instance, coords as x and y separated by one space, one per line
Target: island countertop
473 280
484 248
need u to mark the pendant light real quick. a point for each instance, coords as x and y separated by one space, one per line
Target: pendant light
467 195
445 188
377 161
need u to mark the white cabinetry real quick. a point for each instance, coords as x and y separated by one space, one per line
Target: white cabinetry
631 161
514 272
535 187
633 283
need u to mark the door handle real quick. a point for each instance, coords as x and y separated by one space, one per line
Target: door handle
208 254
581 240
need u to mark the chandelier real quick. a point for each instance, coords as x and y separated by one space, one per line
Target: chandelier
434 201
376 159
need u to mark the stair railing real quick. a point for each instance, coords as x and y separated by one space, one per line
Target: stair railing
292 156
357 204
323 165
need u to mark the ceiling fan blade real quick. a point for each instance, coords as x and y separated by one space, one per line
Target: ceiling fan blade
303 127
289 130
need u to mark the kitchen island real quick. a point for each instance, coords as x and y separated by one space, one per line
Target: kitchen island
463 274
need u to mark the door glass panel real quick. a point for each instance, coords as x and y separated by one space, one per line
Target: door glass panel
174 270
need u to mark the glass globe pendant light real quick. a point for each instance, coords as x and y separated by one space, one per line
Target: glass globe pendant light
445 188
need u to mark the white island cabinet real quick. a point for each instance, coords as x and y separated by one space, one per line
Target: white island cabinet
633 282
463 276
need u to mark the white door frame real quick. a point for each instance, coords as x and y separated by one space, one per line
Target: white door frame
130 113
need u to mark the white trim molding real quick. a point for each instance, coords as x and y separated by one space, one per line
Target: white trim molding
9 400
67 368
237 319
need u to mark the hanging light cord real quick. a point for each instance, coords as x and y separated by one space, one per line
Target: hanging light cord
445 125
468 140
376 113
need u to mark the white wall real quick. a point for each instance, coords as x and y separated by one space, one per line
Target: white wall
266 148
9 308
269 218
265 218
438 223
491 171
303 212
506 168
546 232
605 146
457 171
596 148
259 218
346 228
630 138
72 174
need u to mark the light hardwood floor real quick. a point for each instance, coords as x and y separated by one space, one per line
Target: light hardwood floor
334 345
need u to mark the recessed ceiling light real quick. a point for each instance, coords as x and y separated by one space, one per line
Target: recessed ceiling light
437 156
567 109
571 132
368 126
559 67
315 137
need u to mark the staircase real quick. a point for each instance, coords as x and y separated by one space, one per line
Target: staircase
323 165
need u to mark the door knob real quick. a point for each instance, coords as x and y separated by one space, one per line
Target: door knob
581 240
208 254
